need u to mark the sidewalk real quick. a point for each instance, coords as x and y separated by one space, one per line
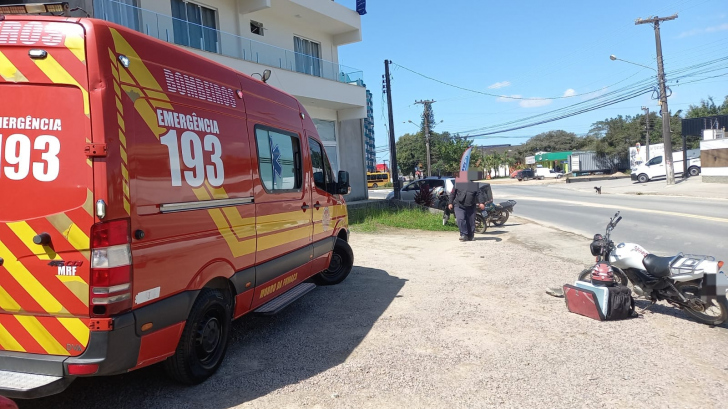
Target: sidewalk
691 187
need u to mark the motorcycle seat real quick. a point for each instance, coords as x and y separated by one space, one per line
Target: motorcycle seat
657 266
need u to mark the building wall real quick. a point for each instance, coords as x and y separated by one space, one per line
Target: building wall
351 155
714 160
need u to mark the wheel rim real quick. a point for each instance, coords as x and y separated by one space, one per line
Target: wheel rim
208 339
707 311
335 267
478 223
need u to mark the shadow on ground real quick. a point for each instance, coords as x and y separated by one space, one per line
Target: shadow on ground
314 334
665 309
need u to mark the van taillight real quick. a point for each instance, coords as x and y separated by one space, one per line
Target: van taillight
111 272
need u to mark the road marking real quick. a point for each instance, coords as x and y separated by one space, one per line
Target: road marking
636 209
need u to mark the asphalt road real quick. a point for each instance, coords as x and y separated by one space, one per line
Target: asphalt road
661 224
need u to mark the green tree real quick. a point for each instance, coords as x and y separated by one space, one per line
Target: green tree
707 108
411 151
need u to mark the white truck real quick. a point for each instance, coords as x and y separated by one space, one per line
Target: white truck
542 173
655 167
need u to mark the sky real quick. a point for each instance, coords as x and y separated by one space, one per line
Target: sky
533 49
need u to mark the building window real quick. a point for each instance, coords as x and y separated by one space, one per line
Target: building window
256 28
279 159
308 56
122 12
195 26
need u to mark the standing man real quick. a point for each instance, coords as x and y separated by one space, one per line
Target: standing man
464 199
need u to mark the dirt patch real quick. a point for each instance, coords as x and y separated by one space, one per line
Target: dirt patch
427 321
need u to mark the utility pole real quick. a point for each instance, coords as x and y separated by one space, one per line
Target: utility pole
647 130
392 144
427 104
667 139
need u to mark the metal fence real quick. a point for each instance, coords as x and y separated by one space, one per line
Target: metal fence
202 37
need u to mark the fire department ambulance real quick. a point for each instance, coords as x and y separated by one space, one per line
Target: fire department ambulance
150 197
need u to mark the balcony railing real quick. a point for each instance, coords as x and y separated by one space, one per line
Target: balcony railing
201 37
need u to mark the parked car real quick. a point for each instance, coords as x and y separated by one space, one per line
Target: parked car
548 173
409 190
526 174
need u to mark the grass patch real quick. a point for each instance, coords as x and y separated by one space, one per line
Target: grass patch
372 219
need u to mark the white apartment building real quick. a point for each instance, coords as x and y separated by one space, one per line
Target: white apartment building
297 40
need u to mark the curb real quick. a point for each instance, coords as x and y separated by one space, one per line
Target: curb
594 179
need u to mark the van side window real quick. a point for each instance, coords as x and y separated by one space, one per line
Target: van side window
279 159
317 163
655 161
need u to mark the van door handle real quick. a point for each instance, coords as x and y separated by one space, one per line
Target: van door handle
317 205
305 207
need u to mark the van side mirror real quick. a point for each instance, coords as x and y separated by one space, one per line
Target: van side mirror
342 187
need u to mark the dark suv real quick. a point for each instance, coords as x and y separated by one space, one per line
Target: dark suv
526 174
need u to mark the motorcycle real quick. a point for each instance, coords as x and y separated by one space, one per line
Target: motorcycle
680 280
494 214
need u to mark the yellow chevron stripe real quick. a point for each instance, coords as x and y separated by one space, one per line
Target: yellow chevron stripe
119 106
59 75
8 342
41 335
137 67
88 205
278 239
36 290
77 286
7 302
238 248
120 120
127 206
117 89
78 239
9 72
122 153
122 138
76 45
26 233
77 328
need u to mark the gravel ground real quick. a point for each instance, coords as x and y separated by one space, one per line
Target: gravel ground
426 321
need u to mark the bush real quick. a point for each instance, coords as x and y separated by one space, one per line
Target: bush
371 219
424 196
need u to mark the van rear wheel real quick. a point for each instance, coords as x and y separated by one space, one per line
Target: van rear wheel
694 171
342 260
204 340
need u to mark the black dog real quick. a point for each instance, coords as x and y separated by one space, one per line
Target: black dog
598 189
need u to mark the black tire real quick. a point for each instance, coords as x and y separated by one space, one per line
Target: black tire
694 171
718 307
619 277
342 260
642 178
480 225
502 218
374 186
204 341
520 180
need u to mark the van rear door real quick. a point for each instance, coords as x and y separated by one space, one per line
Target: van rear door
46 183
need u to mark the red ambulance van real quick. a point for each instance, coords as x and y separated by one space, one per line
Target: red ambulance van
150 197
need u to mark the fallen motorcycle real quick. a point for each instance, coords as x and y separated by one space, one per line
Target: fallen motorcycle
685 281
494 214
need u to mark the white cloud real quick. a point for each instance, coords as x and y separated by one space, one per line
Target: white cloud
569 92
697 31
498 85
534 103
504 99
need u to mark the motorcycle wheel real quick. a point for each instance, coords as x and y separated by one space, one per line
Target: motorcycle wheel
480 225
714 313
502 218
619 277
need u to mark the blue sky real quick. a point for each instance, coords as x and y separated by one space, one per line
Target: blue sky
534 49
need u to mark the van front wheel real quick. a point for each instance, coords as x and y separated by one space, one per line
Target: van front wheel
694 171
342 260
204 340
642 178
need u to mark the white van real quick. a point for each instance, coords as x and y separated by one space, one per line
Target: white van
655 167
542 173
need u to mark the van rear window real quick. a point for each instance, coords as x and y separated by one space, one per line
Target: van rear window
279 159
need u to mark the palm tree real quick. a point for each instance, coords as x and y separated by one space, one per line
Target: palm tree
495 161
509 161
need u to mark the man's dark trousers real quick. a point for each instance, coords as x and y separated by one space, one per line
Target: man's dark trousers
466 220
